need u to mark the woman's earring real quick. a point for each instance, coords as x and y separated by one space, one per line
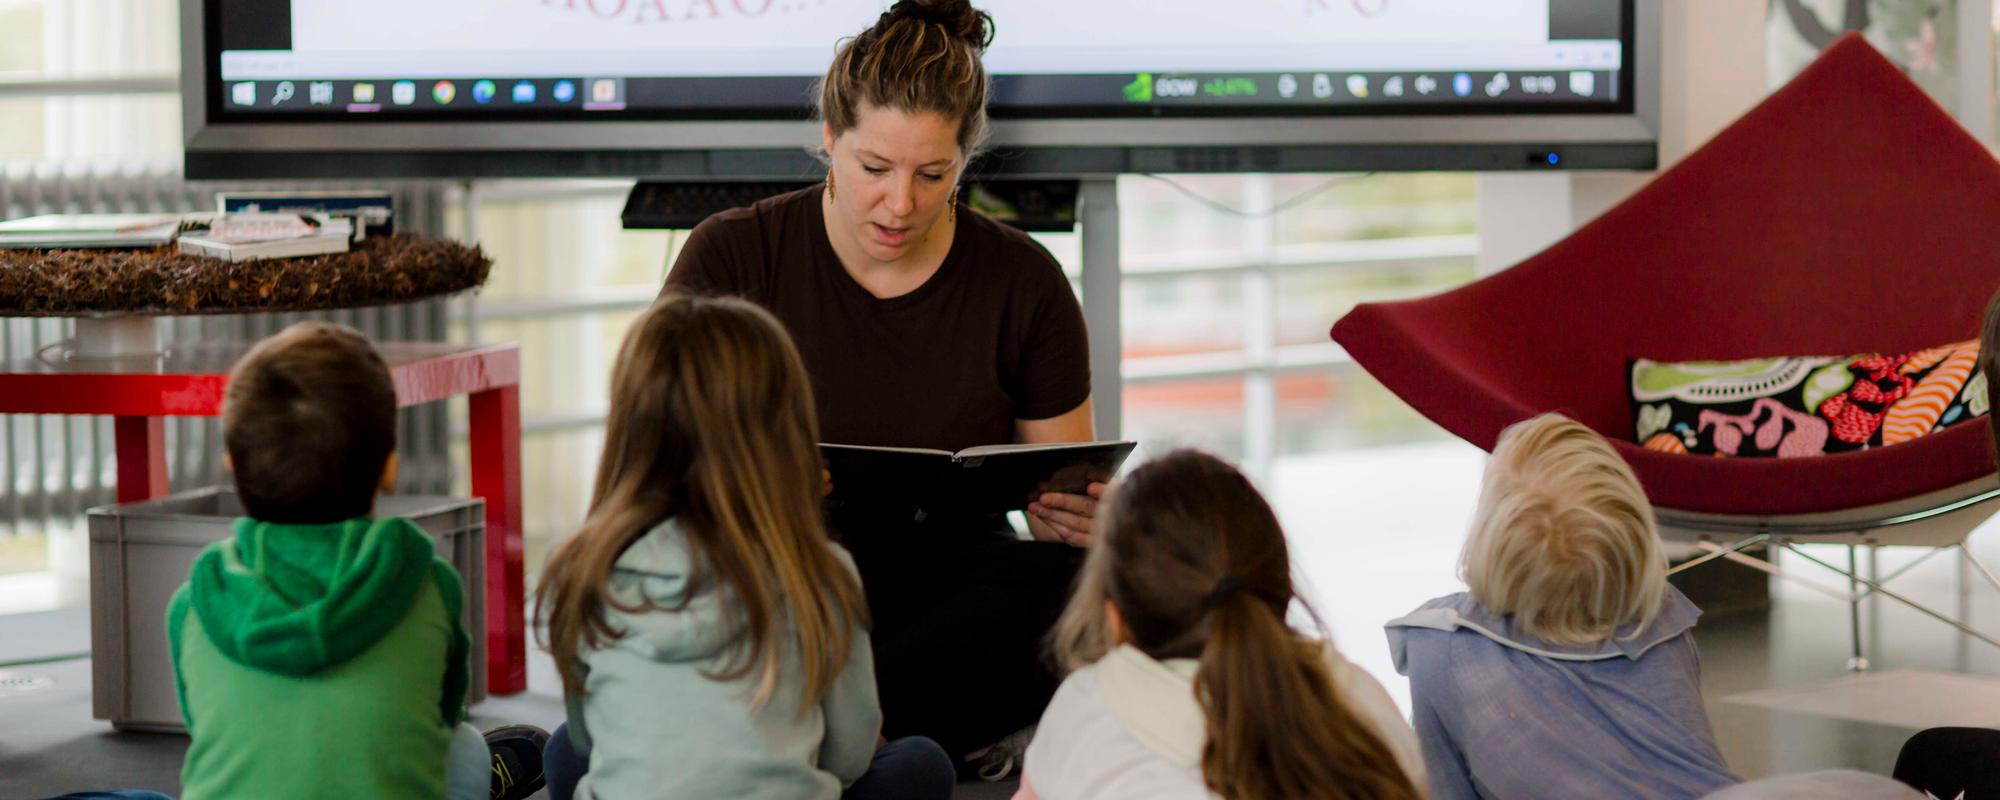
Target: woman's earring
829 183
951 206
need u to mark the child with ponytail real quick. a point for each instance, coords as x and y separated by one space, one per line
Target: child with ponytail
1186 682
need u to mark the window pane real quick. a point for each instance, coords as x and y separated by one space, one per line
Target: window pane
89 38
1180 315
1200 413
1310 301
1158 221
20 37
1342 408
1377 206
21 124
108 127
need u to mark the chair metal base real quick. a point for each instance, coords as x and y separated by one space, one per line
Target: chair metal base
1941 521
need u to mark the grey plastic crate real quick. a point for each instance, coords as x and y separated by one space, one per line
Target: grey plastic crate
140 553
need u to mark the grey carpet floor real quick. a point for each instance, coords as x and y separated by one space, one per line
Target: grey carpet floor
49 744
44 635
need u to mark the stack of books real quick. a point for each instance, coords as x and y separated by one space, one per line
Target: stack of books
246 237
230 237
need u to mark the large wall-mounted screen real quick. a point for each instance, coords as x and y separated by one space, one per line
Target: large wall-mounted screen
403 77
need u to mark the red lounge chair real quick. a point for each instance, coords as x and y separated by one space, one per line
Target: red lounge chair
1847 213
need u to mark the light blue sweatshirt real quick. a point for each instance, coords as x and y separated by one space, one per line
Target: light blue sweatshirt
653 725
1505 716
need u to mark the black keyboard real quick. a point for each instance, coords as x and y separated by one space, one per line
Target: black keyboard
1031 205
655 205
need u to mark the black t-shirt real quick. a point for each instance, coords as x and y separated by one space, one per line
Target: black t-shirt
993 336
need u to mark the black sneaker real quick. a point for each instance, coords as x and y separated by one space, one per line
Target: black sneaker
517 760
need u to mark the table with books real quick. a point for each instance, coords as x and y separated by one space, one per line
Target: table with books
114 366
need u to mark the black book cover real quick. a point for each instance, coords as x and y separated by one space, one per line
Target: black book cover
918 484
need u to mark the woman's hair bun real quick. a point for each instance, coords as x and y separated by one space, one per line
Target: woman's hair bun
958 17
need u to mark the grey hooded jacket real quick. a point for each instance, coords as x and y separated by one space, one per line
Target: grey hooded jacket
653 725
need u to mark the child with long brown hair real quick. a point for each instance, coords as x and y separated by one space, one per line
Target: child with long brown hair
1186 681
710 636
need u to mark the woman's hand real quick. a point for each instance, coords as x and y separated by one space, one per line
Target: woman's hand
1061 517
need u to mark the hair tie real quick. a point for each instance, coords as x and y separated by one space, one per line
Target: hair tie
1223 589
919 12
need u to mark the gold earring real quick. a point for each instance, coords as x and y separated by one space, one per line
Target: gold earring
951 207
829 183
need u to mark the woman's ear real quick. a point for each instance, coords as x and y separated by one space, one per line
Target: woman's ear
826 138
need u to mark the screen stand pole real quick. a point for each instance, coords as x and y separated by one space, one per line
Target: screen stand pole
1097 216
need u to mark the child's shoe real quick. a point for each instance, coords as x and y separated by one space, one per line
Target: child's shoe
517 760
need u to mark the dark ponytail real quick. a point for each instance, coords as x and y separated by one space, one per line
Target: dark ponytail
1196 564
1277 727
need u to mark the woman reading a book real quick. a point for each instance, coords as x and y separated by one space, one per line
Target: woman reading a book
923 323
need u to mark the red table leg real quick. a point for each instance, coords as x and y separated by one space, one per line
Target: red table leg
142 457
496 478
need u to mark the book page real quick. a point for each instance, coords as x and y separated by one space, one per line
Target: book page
923 451
986 450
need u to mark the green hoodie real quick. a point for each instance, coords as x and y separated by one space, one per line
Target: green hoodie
319 661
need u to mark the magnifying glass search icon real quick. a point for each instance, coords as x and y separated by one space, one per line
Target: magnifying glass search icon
284 92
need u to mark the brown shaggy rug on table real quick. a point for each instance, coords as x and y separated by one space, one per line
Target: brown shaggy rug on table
378 271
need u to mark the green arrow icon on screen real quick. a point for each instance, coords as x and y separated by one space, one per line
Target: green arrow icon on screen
1140 90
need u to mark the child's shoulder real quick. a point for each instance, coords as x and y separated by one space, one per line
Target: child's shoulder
1083 749
1078 705
1462 624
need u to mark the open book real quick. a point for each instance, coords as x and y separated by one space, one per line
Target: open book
989 479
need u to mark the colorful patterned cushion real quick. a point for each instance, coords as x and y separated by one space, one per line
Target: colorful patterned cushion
1807 405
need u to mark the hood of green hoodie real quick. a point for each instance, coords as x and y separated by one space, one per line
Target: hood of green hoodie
295 599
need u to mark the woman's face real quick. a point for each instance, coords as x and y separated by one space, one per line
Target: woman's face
893 174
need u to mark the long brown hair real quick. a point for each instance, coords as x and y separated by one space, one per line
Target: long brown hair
711 424
1196 565
920 55
1989 362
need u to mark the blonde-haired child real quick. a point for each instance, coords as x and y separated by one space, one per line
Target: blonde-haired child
1568 670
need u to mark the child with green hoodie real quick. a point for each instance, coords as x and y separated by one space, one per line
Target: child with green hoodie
317 622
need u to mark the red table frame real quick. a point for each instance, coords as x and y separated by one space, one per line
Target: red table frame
140 392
